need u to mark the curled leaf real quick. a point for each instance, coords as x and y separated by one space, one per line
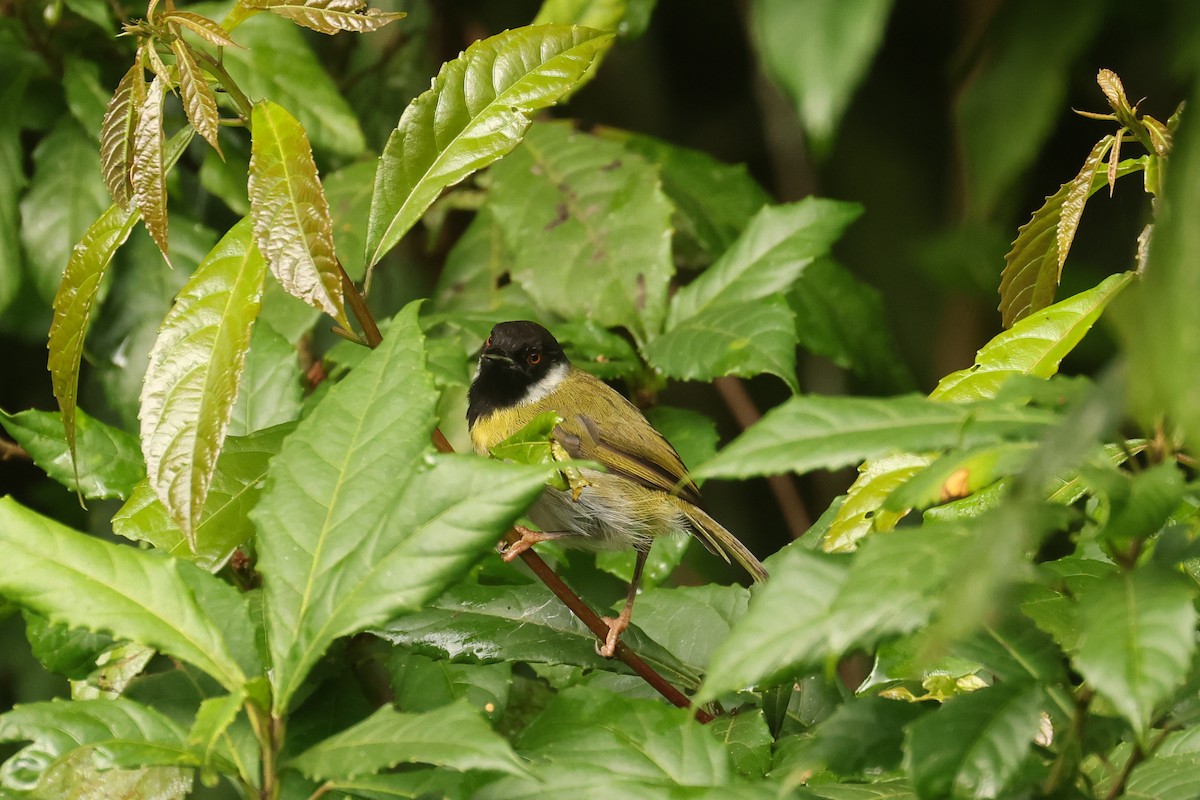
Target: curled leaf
333 16
207 29
1033 266
117 131
199 103
194 372
291 214
148 176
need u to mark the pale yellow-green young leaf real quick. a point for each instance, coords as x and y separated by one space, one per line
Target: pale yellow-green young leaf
199 103
157 65
116 133
148 176
194 372
334 16
861 513
73 306
207 29
291 214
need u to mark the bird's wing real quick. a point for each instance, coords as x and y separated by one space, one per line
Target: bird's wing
623 452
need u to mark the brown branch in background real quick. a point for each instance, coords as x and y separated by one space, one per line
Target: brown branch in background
787 496
532 560
11 450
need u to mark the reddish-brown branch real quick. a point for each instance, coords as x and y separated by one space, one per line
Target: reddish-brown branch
787 496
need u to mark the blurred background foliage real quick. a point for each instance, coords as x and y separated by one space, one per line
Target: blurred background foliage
947 121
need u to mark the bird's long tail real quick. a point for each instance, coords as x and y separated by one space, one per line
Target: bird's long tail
720 541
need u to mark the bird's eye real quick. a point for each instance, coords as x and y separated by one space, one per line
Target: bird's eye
488 343
534 359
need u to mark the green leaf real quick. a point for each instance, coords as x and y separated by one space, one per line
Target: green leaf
12 183
88 583
349 193
194 372
748 741
86 98
768 256
476 111
412 784
117 132
714 202
691 621
65 195
1035 345
454 736
68 651
864 735
271 391
109 462
357 523
476 275
960 473
109 727
1016 93
862 511
766 642
224 525
147 171
277 63
330 16
199 102
73 307
818 51
1033 267
213 719
1013 649
1165 777
626 742
487 624
1138 640
746 339
844 320
421 683
588 227
292 224
815 432
974 744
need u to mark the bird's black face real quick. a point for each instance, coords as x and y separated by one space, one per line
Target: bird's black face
519 360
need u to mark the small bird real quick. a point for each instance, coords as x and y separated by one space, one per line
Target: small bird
645 492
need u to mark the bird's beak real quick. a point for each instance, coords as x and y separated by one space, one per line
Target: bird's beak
497 357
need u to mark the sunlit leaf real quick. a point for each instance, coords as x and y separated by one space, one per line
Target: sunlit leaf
476 111
86 97
330 16
194 372
861 512
148 174
356 524
223 525
815 432
88 583
199 102
1035 345
73 306
291 215
207 29
454 736
271 390
1033 267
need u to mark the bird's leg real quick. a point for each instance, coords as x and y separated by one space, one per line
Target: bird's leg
617 626
528 539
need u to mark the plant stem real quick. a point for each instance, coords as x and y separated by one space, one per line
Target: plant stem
787 496
218 71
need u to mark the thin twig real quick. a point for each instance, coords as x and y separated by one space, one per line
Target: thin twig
787 496
532 560
12 450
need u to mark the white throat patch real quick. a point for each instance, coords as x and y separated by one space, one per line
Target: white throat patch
546 384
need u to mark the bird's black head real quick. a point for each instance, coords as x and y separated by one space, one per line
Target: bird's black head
520 362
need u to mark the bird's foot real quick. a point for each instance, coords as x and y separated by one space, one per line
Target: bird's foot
510 550
616 627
